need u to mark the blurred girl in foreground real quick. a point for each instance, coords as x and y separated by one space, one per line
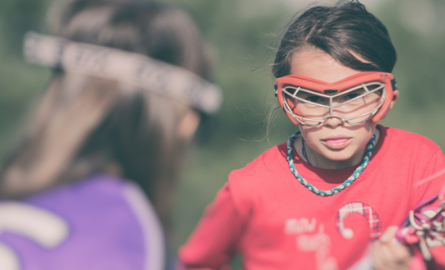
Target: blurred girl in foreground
129 90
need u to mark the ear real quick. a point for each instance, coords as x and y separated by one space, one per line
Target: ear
395 96
189 124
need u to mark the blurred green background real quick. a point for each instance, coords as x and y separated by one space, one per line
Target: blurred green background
243 36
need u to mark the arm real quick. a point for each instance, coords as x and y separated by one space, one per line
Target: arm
215 239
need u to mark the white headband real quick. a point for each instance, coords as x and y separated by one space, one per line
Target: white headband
131 68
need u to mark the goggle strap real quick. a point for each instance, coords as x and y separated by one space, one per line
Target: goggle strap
393 84
129 68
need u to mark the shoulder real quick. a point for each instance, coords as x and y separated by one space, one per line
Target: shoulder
271 161
402 150
259 178
406 140
91 219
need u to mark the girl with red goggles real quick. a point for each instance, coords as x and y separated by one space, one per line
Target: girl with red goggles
332 197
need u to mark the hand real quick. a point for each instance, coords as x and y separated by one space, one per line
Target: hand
388 254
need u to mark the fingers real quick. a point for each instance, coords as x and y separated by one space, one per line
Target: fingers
390 254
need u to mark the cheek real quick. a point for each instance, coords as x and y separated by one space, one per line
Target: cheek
363 135
311 135
369 133
367 130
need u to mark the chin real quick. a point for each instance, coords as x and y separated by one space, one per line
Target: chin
339 156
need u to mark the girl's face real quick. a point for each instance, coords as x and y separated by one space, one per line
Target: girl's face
334 144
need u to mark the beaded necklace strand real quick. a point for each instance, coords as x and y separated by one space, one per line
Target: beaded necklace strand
369 149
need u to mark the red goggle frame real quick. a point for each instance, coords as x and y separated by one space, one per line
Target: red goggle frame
336 87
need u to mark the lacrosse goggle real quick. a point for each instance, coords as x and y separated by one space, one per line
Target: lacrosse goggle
354 100
137 70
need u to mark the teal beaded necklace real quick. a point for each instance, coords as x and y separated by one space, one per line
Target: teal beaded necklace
369 149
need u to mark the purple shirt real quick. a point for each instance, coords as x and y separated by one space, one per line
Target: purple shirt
97 223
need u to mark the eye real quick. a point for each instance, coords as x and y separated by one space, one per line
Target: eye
351 96
354 94
310 97
315 99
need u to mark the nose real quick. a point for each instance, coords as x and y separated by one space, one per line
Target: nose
333 121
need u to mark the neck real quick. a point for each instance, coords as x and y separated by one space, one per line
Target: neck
368 153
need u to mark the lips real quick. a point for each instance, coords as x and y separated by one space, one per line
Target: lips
336 143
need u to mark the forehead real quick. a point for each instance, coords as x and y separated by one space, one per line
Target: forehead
315 63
